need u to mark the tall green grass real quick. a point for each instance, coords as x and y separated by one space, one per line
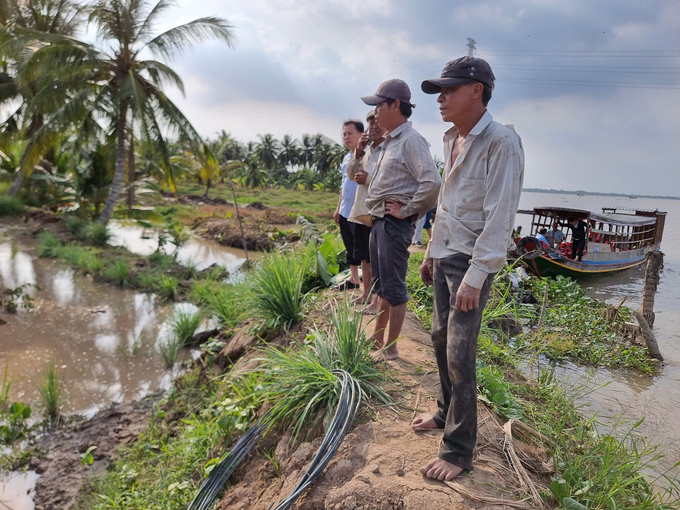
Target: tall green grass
51 392
300 383
98 234
276 290
10 206
184 325
48 244
166 287
169 350
224 301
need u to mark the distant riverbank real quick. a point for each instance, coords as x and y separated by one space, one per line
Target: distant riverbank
596 193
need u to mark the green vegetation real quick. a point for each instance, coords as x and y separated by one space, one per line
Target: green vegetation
119 272
300 381
51 392
10 206
184 325
574 326
166 287
276 290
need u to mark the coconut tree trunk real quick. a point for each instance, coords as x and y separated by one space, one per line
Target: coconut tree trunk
208 183
16 185
131 174
120 169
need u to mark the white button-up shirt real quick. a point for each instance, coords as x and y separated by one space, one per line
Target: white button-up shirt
368 164
479 197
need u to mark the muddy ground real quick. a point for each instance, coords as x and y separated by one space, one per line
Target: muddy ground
62 474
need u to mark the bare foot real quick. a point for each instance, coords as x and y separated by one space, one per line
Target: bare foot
438 469
424 421
362 299
388 354
370 310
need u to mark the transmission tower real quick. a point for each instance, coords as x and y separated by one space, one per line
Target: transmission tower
471 47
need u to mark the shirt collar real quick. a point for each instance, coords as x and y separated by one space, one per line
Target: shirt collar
399 129
479 127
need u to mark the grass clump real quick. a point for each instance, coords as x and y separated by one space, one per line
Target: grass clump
51 392
119 272
184 325
5 389
166 287
10 206
223 301
276 290
98 234
48 245
300 383
169 350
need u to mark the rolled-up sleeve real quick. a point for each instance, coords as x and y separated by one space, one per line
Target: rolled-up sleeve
420 164
353 166
503 187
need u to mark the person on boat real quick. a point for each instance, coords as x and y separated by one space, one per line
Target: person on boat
351 131
360 169
555 236
478 200
404 187
579 234
541 237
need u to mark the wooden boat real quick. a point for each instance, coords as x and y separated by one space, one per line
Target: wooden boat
619 238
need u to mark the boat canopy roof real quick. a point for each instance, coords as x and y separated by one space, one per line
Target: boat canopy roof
608 217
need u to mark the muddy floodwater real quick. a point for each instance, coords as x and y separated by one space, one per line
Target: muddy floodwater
629 396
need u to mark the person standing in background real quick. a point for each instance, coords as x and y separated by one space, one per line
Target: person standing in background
351 131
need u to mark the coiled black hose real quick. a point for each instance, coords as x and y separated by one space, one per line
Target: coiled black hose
345 412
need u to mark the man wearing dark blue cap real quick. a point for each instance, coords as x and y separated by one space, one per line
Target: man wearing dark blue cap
404 186
478 200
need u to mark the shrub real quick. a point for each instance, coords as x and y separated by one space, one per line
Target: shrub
10 206
77 226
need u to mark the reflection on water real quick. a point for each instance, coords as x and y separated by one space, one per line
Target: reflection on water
90 330
628 394
200 252
16 490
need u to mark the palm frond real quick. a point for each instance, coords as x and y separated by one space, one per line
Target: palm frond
159 74
177 39
145 28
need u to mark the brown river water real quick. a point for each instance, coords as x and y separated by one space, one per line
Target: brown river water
88 329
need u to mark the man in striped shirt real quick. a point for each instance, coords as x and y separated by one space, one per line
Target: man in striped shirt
403 188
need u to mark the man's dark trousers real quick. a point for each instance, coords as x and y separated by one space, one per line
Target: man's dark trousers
577 247
454 336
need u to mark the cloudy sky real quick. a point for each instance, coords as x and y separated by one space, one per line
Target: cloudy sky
593 88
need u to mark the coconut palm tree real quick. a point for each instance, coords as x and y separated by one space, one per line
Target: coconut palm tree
32 96
118 85
290 152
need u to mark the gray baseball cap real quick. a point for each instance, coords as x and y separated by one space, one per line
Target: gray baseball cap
391 89
459 71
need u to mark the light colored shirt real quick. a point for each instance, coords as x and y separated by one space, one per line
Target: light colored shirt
405 173
542 238
479 197
557 235
348 187
368 164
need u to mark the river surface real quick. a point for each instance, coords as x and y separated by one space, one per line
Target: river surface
628 395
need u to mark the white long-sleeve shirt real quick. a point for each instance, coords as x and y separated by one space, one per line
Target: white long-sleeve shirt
479 197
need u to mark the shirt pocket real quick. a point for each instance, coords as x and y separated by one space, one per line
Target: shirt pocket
470 198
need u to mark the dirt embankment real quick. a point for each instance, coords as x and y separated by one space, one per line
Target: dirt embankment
62 474
378 465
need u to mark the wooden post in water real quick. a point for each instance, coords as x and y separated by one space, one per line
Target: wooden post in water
648 335
654 265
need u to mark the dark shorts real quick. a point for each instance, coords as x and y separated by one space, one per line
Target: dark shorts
347 234
390 239
428 218
362 236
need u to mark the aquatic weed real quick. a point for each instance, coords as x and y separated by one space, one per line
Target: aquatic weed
184 325
169 350
167 287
